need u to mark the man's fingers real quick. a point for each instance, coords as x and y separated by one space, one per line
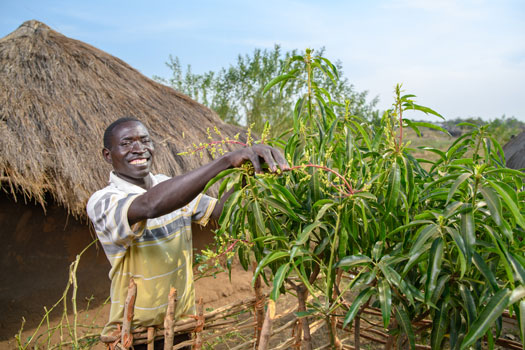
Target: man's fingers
267 156
254 158
260 154
283 164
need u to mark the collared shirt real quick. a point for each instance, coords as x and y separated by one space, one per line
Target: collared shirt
157 252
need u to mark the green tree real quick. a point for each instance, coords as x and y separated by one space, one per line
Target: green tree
359 222
236 92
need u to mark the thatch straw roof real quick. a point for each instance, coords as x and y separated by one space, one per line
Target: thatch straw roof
57 96
515 151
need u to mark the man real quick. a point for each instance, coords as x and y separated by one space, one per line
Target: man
143 221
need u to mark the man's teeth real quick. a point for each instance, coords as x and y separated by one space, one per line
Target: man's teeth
138 161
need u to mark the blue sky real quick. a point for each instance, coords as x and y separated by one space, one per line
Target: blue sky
462 58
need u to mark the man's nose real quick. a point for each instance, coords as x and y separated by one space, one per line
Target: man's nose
138 147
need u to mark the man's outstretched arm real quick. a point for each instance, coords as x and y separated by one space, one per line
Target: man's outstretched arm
178 191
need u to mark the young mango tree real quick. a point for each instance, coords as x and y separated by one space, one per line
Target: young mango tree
358 215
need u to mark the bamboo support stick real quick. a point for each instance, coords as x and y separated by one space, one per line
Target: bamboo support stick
169 320
151 338
200 325
126 339
183 344
267 326
259 307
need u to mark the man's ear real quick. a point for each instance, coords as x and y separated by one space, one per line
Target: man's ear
107 155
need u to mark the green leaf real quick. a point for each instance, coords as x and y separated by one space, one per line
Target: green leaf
305 233
353 260
423 109
427 125
286 193
323 210
485 270
510 204
230 204
427 232
522 321
362 132
309 312
461 178
469 304
278 281
376 251
435 259
394 183
385 299
468 231
495 307
439 324
517 294
366 195
259 221
281 207
493 203
462 249
360 300
277 80
518 268
441 286
219 176
411 224
404 321
506 171
268 259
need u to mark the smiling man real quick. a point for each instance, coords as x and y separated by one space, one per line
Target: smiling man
143 221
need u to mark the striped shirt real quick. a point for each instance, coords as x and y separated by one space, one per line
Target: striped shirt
157 252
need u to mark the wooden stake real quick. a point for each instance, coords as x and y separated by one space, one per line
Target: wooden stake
266 330
126 339
200 325
168 320
151 338
259 307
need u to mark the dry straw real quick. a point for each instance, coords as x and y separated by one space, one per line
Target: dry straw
57 96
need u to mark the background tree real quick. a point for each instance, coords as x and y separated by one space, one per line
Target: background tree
235 93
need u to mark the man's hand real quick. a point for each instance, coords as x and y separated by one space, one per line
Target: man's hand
258 155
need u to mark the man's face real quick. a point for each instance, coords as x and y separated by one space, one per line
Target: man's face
131 152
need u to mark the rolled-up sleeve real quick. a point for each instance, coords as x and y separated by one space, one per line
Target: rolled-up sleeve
201 208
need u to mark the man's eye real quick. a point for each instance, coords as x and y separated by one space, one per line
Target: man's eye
146 141
125 143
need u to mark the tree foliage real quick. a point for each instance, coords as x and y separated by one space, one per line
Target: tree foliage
358 213
235 93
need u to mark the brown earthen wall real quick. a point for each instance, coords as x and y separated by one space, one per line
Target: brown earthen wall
36 250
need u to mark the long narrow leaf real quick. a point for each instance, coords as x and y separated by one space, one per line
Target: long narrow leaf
439 325
493 203
487 317
277 80
461 178
278 281
510 203
305 233
360 300
385 299
404 321
353 260
435 259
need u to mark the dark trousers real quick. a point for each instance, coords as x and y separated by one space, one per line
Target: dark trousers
159 344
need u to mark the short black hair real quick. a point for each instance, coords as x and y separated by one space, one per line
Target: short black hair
109 130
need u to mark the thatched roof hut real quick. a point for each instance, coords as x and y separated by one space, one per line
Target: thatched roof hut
57 95
515 152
